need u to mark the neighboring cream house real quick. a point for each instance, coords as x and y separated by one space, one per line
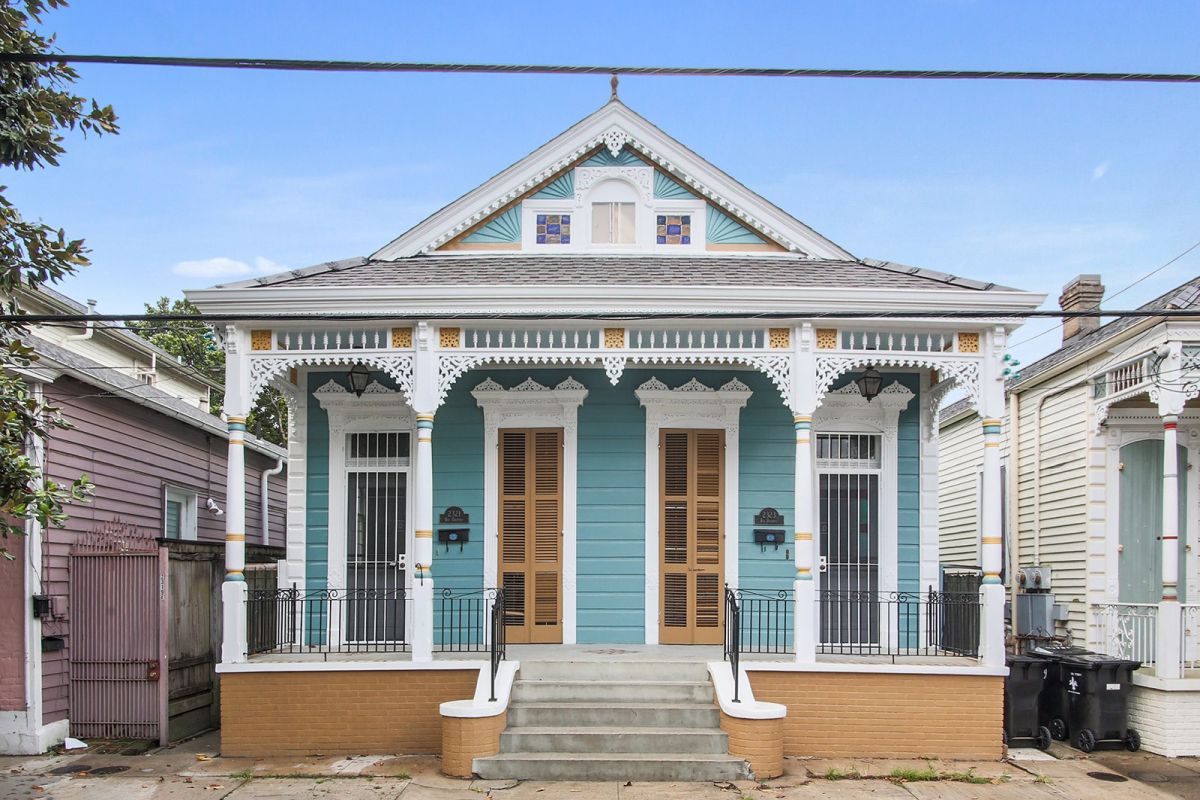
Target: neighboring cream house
1100 437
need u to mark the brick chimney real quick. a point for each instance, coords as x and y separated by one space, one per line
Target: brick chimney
1084 293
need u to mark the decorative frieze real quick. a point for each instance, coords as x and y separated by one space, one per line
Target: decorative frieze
402 338
968 342
260 340
614 338
449 338
779 338
827 338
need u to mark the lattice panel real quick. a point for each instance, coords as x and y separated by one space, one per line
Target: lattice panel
968 342
449 337
402 337
827 338
614 338
261 340
779 338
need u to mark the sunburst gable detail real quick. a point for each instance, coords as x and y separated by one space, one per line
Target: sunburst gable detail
667 189
502 229
603 158
560 188
724 229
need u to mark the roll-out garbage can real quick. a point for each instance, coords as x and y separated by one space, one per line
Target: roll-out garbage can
1088 702
1024 720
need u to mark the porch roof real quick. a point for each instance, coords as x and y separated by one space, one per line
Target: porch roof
508 269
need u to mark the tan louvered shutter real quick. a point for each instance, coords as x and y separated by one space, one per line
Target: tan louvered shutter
531 533
692 481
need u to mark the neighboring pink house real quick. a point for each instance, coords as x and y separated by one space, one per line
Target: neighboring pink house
143 435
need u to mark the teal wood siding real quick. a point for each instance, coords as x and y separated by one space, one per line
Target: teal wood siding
316 542
908 485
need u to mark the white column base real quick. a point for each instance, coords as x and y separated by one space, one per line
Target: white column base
991 624
422 638
20 735
233 608
805 619
1168 640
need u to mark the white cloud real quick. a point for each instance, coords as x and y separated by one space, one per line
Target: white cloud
224 267
1100 170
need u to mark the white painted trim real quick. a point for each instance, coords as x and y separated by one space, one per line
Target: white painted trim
297 486
929 448
874 669
378 410
692 405
407 301
22 734
348 666
1152 681
531 405
481 705
747 707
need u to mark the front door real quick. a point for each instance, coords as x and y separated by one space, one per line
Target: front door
531 500
1140 561
692 470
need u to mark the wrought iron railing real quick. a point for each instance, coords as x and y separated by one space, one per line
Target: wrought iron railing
765 620
1191 636
899 623
733 637
498 640
461 620
324 621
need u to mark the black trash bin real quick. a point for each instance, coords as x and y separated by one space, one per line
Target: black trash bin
1087 698
1023 689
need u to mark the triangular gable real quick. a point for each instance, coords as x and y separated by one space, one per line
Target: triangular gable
618 132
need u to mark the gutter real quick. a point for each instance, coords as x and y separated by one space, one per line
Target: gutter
89 326
264 480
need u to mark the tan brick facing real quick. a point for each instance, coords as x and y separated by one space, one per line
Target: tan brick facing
840 714
336 713
759 741
464 740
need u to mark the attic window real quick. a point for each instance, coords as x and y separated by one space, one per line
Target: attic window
553 228
614 223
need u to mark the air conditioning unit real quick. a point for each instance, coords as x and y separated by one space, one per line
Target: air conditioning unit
1034 579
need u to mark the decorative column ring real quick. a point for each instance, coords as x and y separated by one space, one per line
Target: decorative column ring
235 501
992 518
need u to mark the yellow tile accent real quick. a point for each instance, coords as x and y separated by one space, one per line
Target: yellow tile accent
260 340
449 337
779 338
235 537
827 339
401 337
968 342
614 338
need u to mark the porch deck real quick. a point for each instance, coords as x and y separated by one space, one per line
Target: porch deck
615 652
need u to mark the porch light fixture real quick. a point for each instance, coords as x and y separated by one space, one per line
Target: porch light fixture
870 383
359 376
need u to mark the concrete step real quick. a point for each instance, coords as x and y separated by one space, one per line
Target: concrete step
625 715
614 671
612 692
712 741
608 767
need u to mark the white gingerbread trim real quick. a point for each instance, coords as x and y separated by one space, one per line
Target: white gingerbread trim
532 405
267 366
965 371
693 405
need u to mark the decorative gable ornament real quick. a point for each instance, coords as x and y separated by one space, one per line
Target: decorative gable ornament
616 139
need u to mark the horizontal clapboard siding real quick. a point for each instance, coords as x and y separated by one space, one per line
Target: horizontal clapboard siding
960 457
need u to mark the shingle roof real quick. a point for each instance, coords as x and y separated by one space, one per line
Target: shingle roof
96 374
759 269
1184 296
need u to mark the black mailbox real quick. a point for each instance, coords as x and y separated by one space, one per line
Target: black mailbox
449 536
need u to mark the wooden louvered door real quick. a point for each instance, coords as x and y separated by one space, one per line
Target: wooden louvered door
531 485
691 468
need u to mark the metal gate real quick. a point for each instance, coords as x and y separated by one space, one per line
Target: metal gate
117 631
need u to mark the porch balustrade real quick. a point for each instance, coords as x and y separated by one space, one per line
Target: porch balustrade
325 621
1128 630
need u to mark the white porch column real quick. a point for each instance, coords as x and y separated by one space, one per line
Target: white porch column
233 591
1168 641
803 402
992 595
425 396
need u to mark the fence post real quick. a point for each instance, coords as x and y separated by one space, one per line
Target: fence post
1168 656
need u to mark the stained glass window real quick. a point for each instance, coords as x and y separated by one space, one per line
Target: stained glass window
553 228
674 229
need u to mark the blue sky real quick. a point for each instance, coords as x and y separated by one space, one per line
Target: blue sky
221 174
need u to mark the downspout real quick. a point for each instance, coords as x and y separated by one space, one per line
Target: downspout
89 326
264 479
1014 484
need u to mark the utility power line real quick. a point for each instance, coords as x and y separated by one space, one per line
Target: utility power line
316 65
35 319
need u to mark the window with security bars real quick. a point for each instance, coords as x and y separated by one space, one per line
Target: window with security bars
377 466
848 474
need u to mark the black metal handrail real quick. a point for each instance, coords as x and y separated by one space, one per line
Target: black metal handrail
497 638
733 637
899 623
765 619
461 620
325 621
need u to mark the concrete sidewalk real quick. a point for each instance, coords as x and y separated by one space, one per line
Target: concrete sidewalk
193 770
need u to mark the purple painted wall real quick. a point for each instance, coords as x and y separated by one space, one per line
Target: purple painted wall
12 627
131 453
